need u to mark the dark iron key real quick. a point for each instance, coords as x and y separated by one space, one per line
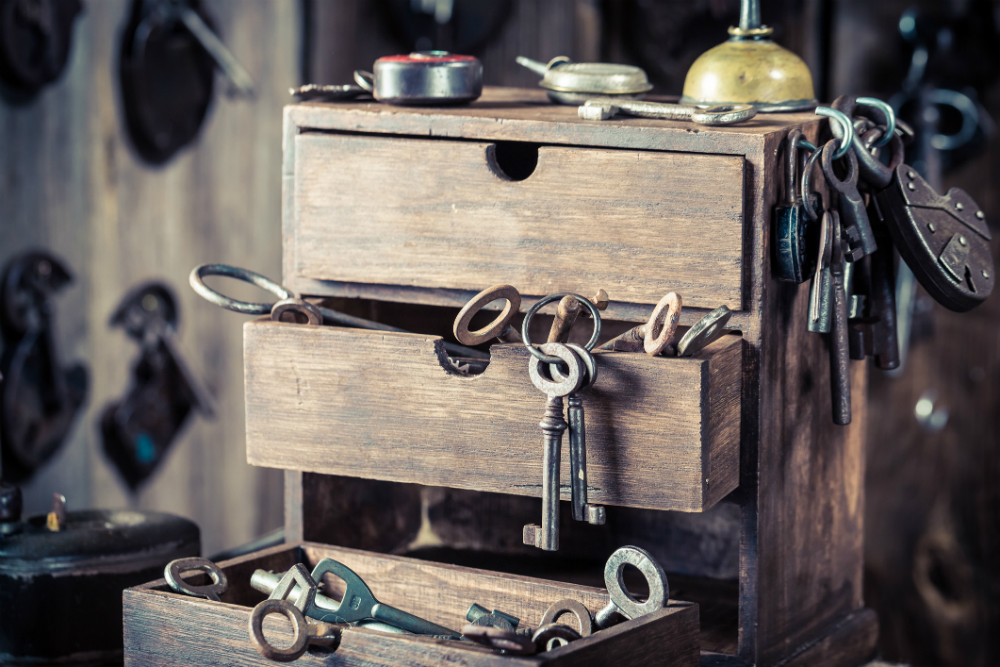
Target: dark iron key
850 202
840 362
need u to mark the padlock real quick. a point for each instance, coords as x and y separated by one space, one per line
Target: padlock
944 240
138 430
794 233
35 41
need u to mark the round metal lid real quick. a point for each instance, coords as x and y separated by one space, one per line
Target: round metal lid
606 78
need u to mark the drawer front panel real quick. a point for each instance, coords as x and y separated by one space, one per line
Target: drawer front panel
661 433
436 214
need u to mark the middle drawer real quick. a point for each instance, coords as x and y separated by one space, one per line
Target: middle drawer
662 433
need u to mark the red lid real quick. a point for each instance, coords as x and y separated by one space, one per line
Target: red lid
427 57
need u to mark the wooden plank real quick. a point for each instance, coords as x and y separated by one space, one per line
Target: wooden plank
633 222
315 404
163 628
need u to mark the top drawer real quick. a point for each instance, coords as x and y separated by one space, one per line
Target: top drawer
444 214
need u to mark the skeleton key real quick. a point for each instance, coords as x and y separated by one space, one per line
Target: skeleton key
306 634
656 335
840 361
850 202
569 309
819 295
498 328
175 569
582 510
723 114
624 603
553 425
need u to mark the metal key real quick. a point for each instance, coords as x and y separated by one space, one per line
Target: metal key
725 114
819 295
623 603
850 201
173 574
357 604
240 79
499 327
582 510
569 309
656 335
840 361
553 425
705 331
305 634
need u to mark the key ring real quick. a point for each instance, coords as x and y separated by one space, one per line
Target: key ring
500 327
845 122
172 573
887 111
204 291
807 182
538 354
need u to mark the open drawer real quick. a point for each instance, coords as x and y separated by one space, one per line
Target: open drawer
164 628
662 433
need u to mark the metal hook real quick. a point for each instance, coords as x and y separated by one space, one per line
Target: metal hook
845 122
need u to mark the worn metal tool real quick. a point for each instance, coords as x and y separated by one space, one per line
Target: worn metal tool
568 311
358 602
553 635
291 308
174 575
567 82
499 327
840 360
478 615
306 634
623 603
424 78
656 335
569 606
720 114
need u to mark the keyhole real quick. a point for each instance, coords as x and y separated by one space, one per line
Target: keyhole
968 279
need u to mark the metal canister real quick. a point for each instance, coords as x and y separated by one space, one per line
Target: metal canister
425 77
61 579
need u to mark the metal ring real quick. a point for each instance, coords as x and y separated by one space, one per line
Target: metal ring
887 111
538 354
553 635
665 316
298 311
365 80
477 303
845 122
197 281
570 606
300 641
172 573
806 182
656 578
589 366
705 332
724 114
562 385
805 143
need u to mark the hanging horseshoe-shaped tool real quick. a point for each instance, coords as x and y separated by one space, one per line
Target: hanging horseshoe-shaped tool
35 40
39 399
140 428
168 57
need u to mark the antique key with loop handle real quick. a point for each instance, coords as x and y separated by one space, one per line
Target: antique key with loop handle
291 305
624 603
499 327
542 356
601 108
850 202
656 335
173 574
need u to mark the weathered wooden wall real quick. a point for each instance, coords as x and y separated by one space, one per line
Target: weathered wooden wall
70 182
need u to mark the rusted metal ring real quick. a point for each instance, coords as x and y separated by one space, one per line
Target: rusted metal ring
365 80
589 366
845 122
300 640
175 568
563 385
724 114
662 324
538 354
656 578
570 606
887 111
552 636
826 164
806 183
502 640
477 303
197 281
705 332
296 311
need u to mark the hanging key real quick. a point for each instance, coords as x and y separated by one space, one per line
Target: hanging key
850 203
840 361
553 425
820 292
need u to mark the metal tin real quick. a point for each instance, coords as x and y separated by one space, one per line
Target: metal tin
61 590
427 77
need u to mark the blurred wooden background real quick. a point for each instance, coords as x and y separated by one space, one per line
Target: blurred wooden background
71 183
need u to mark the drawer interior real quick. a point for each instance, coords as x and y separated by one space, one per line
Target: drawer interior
445 214
388 406
162 627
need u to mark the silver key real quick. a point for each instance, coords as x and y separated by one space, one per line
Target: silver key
622 602
726 114
553 425
582 510
240 79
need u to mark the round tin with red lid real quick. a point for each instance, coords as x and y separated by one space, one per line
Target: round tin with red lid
424 77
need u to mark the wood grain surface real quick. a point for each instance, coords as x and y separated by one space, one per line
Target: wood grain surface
661 433
443 214
163 628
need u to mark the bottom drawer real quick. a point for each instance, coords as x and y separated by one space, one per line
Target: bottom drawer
164 628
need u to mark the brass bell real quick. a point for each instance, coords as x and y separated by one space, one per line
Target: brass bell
750 69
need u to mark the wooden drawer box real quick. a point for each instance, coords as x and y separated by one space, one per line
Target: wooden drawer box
662 433
443 214
164 628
